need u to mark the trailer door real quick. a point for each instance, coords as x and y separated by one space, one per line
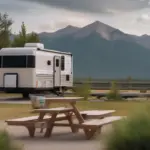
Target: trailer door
57 71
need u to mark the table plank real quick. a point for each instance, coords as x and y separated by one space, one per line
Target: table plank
96 113
63 99
52 110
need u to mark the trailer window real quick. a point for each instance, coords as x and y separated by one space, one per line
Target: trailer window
31 61
67 77
48 62
62 62
14 61
18 62
57 62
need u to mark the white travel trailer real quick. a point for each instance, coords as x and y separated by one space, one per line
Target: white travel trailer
32 69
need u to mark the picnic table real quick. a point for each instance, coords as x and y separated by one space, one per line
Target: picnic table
66 100
90 121
62 100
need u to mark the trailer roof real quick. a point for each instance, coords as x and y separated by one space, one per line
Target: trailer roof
55 51
27 51
18 51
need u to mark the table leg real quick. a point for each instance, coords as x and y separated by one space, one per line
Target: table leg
79 117
31 130
90 133
50 125
69 118
46 104
41 116
76 112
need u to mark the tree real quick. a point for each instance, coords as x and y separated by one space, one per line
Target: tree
5 30
33 37
20 39
23 37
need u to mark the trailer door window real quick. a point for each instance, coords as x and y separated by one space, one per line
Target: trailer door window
57 62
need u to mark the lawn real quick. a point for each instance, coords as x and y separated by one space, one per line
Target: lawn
9 95
122 108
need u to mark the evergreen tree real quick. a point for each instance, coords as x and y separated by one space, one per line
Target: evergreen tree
33 37
23 37
5 30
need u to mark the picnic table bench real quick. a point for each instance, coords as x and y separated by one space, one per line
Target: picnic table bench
96 114
33 122
94 125
90 121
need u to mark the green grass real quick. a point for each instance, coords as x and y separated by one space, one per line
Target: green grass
8 111
9 95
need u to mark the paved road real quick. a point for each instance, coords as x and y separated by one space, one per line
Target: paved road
62 139
14 100
17 99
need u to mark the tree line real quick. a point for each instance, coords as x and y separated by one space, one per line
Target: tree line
8 39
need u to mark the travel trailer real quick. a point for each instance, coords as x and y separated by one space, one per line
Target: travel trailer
33 69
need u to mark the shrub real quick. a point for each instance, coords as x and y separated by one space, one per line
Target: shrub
114 93
83 90
132 133
6 143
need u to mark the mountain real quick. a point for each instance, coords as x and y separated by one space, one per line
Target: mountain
62 32
105 31
144 40
102 51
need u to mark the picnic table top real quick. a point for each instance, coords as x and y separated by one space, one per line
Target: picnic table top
63 99
53 110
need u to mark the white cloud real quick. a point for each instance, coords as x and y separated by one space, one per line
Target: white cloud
144 17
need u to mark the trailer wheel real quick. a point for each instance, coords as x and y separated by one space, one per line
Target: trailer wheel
25 95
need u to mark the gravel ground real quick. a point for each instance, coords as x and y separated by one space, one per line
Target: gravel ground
62 139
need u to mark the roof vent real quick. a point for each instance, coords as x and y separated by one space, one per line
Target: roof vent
37 45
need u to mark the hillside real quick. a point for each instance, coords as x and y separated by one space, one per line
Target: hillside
101 51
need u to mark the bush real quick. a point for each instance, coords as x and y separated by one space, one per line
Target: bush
132 133
114 93
83 90
6 143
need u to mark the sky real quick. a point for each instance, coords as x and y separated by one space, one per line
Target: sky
130 16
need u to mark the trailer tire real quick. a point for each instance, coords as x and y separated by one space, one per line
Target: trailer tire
25 95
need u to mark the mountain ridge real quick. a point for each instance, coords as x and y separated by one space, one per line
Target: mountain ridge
105 31
102 51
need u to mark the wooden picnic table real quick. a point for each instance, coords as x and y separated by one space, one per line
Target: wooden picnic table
49 117
64 100
54 112
73 110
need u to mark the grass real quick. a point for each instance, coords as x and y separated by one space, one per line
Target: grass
9 95
8 111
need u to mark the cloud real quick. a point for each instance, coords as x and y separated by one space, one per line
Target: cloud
14 6
57 21
130 16
143 18
96 6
